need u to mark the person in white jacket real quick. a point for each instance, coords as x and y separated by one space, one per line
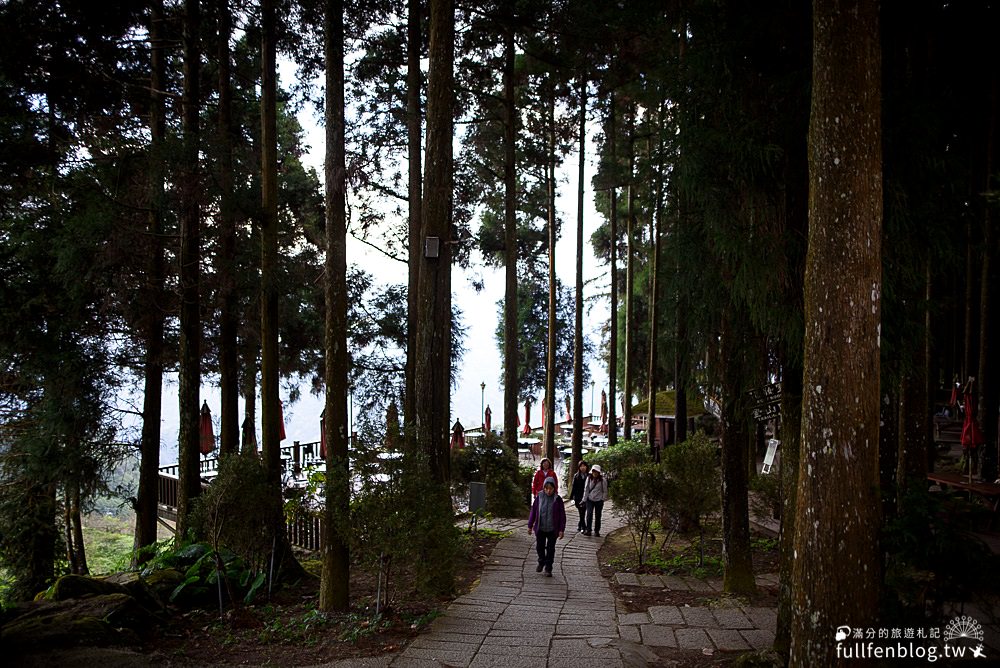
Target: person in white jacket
595 492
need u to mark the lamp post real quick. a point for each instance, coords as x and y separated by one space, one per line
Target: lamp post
482 404
591 399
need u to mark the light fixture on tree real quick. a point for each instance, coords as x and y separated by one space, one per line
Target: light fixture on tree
432 247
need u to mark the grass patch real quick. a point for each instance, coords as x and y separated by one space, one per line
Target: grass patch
108 542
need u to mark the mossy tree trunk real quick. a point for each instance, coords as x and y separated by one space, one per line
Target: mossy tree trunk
837 518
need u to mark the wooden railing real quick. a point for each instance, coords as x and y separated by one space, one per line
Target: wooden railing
305 532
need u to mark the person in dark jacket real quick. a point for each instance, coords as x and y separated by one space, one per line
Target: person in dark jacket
576 493
547 521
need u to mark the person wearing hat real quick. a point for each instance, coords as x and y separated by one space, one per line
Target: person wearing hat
547 521
594 494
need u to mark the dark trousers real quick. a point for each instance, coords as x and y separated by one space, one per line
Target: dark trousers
594 510
545 546
582 509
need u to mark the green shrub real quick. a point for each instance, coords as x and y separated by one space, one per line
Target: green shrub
621 456
694 487
766 498
491 462
240 511
638 495
400 517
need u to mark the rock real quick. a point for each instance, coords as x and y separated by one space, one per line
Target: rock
163 582
138 589
111 619
80 586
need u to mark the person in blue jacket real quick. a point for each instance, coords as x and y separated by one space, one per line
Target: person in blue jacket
547 521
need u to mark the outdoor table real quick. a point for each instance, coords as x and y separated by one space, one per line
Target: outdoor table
989 492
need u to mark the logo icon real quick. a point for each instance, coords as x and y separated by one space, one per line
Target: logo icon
963 627
843 633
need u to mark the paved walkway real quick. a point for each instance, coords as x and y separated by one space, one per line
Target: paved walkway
516 617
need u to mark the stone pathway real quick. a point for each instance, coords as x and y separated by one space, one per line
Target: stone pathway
518 618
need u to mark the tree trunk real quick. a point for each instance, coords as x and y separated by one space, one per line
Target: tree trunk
248 435
74 530
433 379
189 484
270 406
655 225
738 574
837 519
629 282
269 399
152 396
989 389
336 574
613 343
413 129
577 444
791 425
914 411
433 363
229 428
550 357
510 379
680 350
968 348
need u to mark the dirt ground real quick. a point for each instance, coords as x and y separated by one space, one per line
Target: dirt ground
287 630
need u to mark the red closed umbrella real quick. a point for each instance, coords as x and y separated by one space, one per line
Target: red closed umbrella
527 418
488 420
604 412
972 435
457 436
569 411
322 434
205 431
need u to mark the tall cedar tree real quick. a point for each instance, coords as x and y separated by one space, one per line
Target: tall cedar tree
613 343
433 382
837 514
511 387
155 300
189 472
433 379
414 125
229 425
577 439
335 584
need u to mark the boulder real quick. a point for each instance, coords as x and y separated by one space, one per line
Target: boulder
139 589
81 586
104 620
163 582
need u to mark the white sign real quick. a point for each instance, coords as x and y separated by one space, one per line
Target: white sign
772 447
